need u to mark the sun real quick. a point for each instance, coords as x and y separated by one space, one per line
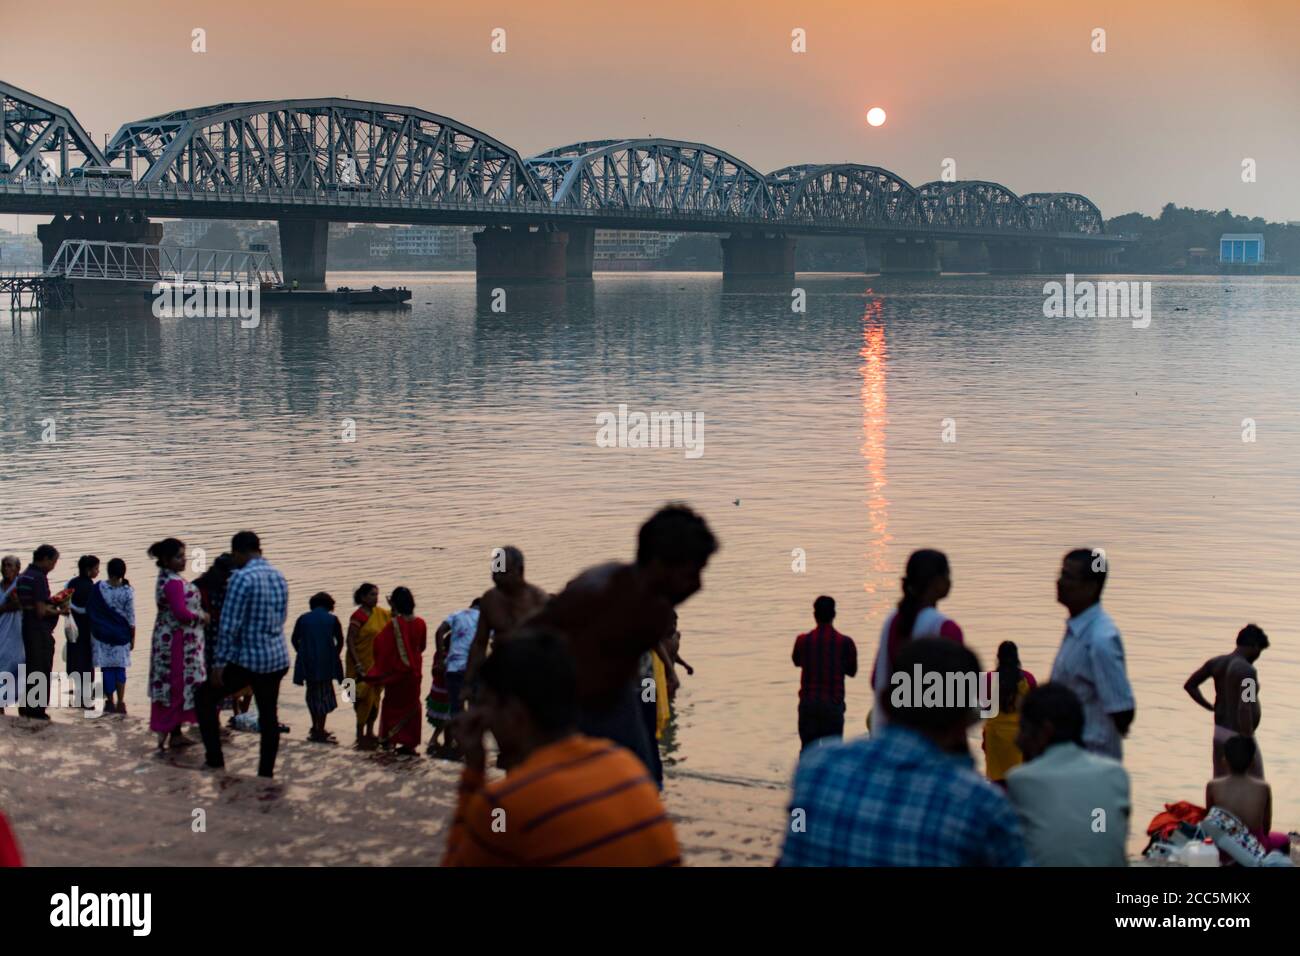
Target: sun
876 116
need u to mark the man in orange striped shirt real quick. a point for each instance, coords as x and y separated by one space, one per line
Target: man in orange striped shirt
566 800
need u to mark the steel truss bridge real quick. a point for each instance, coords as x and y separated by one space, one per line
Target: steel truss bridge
347 160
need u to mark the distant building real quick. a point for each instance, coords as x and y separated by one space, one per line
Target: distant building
1241 248
442 242
630 248
380 250
187 232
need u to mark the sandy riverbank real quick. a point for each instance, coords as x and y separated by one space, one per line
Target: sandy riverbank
92 794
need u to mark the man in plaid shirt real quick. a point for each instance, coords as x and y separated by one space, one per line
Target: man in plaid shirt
908 795
250 650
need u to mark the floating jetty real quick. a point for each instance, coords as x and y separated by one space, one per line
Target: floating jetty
342 296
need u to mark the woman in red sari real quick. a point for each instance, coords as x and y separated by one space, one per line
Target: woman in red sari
399 667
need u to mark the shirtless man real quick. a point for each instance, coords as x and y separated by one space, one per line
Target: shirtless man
614 614
1246 798
1236 695
508 603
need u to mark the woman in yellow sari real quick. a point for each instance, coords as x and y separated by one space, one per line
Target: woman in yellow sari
366 622
1001 753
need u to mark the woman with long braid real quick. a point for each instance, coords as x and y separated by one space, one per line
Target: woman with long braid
925 583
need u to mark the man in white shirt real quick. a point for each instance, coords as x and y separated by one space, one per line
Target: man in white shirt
1074 805
1090 660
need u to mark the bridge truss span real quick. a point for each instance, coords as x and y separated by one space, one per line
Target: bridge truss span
324 145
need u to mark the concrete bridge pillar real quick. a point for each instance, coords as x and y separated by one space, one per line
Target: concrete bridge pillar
1014 258
516 253
304 244
909 257
125 227
580 252
751 255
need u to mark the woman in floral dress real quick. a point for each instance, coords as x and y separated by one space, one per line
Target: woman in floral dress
176 666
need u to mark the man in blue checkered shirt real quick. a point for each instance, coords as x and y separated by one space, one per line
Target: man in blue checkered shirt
250 650
908 795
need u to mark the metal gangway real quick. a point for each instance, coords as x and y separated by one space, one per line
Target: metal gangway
144 262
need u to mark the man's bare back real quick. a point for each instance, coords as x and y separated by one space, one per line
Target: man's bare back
1248 799
501 611
1233 677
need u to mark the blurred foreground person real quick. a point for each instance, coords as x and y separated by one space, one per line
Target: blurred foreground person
566 800
617 615
1073 804
908 795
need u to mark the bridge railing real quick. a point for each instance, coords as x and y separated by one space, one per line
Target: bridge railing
493 210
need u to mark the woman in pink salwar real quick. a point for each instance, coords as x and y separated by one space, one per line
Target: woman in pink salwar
176 665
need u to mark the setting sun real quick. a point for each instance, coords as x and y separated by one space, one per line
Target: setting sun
876 116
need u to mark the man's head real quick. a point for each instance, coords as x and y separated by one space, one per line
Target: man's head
321 599
1239 751
1251 642
45 557
1050 714
244 547
824 609
528 693
956 673
508 567
1083 575
672 549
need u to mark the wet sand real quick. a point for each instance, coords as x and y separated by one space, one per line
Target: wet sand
91 793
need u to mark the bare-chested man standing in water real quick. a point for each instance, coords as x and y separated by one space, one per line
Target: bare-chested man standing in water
508 603
1236 696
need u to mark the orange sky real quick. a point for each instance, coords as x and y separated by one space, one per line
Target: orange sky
1008 88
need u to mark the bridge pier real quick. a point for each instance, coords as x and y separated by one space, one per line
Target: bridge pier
756 255
909 257
580 252
125 227
1014 258
517 253
304 244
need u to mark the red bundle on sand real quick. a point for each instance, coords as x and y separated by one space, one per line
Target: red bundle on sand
1165 822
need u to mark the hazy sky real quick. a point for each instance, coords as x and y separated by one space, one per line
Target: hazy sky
1010 89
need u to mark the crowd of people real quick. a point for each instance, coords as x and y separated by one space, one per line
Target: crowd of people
1054 790
574 689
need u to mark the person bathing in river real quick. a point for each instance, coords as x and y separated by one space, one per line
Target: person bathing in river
1236 696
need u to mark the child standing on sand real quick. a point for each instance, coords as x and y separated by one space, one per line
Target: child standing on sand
318 641
437 706
114 638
